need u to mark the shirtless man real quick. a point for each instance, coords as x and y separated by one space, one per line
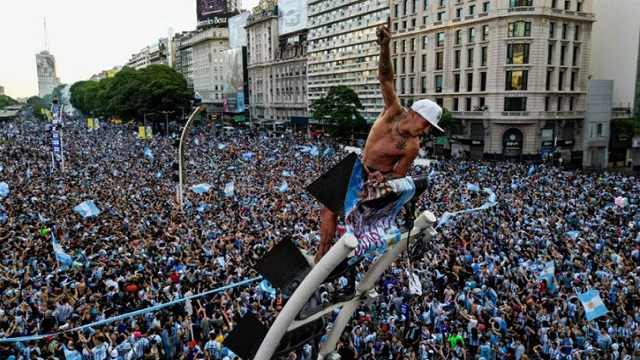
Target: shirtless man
394 139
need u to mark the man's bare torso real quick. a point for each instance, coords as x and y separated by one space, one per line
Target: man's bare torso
385 147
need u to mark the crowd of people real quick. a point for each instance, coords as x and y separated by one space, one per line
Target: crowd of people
483 296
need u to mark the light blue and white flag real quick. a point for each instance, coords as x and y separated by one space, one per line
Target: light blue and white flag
148 154
247 156
532 170
87 209
329 152
201 188
287 173
266 287
284 187
229 189
491 201
573 234
65 260
473 187
311 150
593 305
222 146
4 189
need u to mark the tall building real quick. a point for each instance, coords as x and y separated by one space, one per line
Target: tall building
154 54
183 46
47 78
277 65
208 47
514 72
342 49
1 90
617 31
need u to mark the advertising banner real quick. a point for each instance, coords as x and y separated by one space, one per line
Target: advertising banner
237 31
292 16
233 80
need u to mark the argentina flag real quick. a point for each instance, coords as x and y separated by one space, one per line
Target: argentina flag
65 260
593 305
548 273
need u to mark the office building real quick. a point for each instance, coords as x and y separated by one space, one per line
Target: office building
342 49
513 72
47 78
208 46
154 54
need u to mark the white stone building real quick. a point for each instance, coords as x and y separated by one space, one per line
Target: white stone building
47 78
207 59
513 71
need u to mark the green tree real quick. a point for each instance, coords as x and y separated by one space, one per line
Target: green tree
37 104
339 107
6 101
450 124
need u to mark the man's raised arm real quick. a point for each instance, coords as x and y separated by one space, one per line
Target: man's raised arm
385 72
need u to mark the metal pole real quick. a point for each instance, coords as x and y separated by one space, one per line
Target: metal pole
181 166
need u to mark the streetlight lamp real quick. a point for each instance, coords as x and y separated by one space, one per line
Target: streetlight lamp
181 165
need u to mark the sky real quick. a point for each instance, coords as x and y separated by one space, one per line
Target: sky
85 36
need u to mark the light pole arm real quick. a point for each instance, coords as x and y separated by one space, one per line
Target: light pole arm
181 165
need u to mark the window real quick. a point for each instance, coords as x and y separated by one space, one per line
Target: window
395 27
404 7
440 102
412 64
395 65
547 101
576 33
563 51
440 39
579 6
518 54
472 10
481 103
576 55
395 47
438 81
485 7
404 24
455 104
439 60
559 105
550 54
404 45
565 30
441 3
483 81
456 59
516 80
554 3
458 13
572 101
519 3
552 30
515 104
402 87
599 130
456 82
424 42
561 80
567 4
467 104
472 35
441 15
396 11
423 84
402 65
574 76
469 82
520 29
485 32
426 5
424 62
411 86
412 45
458 37
483 56
470 57
548 81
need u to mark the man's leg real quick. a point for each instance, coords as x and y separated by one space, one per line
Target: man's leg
327 231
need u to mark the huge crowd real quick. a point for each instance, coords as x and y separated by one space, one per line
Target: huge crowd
483 297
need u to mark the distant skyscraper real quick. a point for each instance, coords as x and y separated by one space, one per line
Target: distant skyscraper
47 79
1 90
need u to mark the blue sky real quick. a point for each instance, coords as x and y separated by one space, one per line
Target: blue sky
85 36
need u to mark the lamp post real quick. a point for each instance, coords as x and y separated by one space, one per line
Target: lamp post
181 165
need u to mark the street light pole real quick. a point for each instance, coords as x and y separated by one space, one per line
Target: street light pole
181 165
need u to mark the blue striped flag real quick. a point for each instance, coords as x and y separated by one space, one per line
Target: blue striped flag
593 305
64 259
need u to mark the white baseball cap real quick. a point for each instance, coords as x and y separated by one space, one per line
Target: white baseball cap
430 112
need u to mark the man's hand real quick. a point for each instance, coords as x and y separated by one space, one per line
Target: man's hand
376 178
384 35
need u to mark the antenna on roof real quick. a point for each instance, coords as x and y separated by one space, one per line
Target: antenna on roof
46 45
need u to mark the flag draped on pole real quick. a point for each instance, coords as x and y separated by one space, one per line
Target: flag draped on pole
593 305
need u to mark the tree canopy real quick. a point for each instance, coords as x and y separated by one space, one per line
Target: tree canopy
131 93
6 101
339 107
37 104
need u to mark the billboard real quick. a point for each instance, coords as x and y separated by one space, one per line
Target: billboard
292 16
237 31
211 12
233 80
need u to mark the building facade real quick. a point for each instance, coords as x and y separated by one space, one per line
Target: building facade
1 90
619 22
208 47
155 54
183 46
342 49
513 72
47 78
277 66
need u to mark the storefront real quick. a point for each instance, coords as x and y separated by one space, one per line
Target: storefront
512 143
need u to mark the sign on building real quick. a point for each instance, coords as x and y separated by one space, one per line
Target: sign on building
237 31
292 16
